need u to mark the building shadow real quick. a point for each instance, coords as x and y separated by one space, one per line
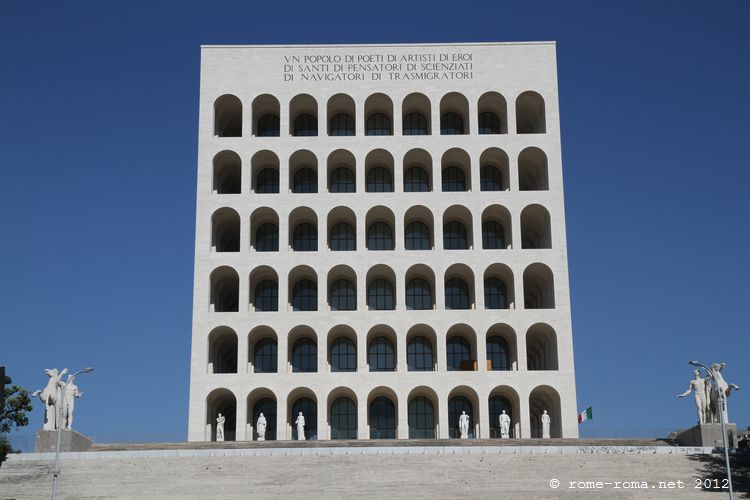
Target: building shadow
713 475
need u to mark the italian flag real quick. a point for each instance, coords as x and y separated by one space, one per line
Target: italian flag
587 414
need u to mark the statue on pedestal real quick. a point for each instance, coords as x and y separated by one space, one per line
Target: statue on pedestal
52 397
260 425
300 422
504 425
546 421
719 387
220 427
463 425
701 387
70 393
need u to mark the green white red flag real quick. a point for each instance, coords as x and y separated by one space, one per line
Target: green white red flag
587 414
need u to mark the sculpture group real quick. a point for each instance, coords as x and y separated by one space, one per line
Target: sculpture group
707 391
59 399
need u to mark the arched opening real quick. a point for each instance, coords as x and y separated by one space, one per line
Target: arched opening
264 289
227 173
421 342
459 287
423 417
379 171
538 287
504 398
228 116
303 113
265 172
221 401
416 111
303 350
262 401
303 234
417 171
501 348
494 170
461 348
496 228
498 287
264 225
530 117
342 414
342 349
303 172
225 290
225 230
493 114
266 112
420 287
381 283
463 399
535 227
341 113
341 172
418 228
303 289
342 288
264 350
222 350
379 113
454 114
458 229
381 413
381 349
303 401
544 398
541 348
342 235
532 170
380 222
456 171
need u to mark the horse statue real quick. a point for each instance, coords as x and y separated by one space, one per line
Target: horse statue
719 387
51 396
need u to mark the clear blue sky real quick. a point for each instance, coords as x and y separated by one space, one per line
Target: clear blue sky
98 128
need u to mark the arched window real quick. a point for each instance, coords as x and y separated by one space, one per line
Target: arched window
417 236
343 419
305 238
419 357
489 123
228 116
342 181
382 418
309 410
421 418
456 294
267 238
459 353
380 237
498 353
305 181
493 235
343 355
305 296
451 124
343 237
415 124
496 406
343 296
416 180
304 356
456 406
379 180
490 178
381 355
222 351
268 126
495 294
418 294
265 356
380 295
342 124
378 124
267 296
305 125
454 236
267 181
454 179
267 407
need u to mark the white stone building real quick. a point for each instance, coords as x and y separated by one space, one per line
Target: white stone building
380 242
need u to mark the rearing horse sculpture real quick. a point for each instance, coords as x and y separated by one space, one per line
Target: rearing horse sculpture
51 397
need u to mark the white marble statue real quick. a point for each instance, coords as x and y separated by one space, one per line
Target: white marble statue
720 386
51 396
260 425
220 427
300 423
700 386
504 425
70 393
546 421
463 425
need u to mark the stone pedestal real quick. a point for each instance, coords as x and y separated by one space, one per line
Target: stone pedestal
70 440
708 435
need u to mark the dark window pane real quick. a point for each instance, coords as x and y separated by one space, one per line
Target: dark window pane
378 124
343 419
267 407
305 238
416 180
382 418
496 406
343 355
267 238
265 358
343 237
454 236
305 296
456 294
309 410
493 235
304 356
421 418
342 181
418 294
498 353
267 296
379 181
495 294
268 126
342 124
417 237
415 124
267 181
456 406
381 354
343 296
458 351
451 124
419 355
380 237
380 295
454 179
489 123
305 181
305 125
490 179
